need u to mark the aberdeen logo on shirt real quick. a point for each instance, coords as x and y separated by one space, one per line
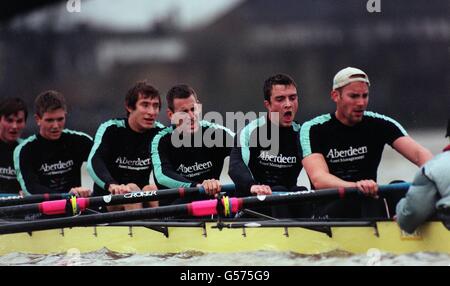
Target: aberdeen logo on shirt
277 159
195 170
7 173
57 168
348 155
138 164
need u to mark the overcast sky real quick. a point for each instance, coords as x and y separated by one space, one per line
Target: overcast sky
136 14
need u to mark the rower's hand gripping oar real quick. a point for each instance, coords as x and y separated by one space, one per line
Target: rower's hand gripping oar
232 205
73 205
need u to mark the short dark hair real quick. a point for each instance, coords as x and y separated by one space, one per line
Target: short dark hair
281 79
141 89
49 100
12 105
179 91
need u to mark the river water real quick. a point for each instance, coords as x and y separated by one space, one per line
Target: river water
262 258
393 167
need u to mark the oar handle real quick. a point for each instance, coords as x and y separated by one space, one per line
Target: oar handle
227 188
397 187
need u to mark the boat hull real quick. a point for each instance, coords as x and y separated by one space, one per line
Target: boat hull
383 236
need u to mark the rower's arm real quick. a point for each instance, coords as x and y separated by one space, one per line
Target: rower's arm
412 150
314 162
240 173
26 175
164 172
317 169
96 165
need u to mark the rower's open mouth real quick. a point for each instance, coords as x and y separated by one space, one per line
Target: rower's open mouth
287 114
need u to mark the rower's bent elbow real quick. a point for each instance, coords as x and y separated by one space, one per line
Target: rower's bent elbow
318 181
424 156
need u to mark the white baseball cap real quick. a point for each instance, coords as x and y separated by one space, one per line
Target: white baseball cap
348 75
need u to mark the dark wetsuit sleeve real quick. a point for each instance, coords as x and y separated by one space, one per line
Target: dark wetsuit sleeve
239 171
99 153
28 179
164 172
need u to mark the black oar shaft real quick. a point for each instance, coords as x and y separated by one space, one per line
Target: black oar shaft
19 210
89 220
60 207
19 200
139 197
328 194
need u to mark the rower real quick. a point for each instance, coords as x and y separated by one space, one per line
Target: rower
256 168
13 116
344 148
50 161
190 153
119 161
430 191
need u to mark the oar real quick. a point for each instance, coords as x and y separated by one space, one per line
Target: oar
342 192
9 195
15 199
56 207
226 207
314 195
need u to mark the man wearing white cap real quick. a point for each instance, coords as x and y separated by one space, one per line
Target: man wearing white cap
344 148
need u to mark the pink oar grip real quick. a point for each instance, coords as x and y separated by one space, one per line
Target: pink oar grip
59 206
53 207
203 208
83 203
236 205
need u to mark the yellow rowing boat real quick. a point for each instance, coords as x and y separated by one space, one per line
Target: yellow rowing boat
304 237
